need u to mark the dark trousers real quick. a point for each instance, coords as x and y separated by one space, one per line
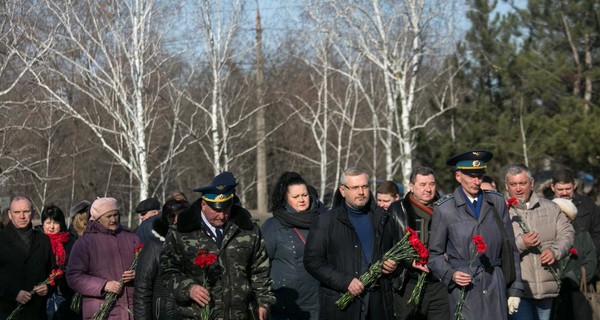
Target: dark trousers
434 301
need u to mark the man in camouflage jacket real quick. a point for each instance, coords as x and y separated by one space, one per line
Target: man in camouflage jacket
237 285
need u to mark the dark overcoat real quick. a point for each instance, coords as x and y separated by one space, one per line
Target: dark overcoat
334 256
22 269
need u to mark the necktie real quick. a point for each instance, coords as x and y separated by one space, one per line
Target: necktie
475 203
219 236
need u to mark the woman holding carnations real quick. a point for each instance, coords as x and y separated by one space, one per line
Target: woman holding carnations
100 262
53 225
294 208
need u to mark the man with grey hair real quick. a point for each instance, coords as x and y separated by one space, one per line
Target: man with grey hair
543 236
341 246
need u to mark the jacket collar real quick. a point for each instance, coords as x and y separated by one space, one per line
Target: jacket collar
191 220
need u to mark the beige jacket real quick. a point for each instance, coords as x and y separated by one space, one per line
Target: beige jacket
555 232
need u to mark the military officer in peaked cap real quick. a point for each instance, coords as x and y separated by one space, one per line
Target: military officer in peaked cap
215 223
459 216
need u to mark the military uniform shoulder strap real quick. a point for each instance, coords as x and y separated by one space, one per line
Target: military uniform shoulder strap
493 192
444 199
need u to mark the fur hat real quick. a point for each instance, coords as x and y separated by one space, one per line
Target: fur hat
102 206
567 207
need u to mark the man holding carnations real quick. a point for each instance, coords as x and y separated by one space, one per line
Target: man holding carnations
234 286
454 258
543 237
415 210
25 262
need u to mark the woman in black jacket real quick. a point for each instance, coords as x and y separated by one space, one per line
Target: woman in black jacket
150 298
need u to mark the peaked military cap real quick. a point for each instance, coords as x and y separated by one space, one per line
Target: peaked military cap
471 162
147 205
220 193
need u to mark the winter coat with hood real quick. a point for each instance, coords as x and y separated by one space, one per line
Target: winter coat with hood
334 256
98 256
555 233
242 285
151 300
297 292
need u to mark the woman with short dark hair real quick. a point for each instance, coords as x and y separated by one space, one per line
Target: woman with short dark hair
54 226
294 207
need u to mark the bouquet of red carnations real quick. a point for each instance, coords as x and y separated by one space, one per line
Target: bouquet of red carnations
409 248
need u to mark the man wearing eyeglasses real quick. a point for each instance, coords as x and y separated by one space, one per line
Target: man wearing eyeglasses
341 246
25 261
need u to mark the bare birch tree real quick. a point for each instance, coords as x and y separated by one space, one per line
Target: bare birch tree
104 67
396 37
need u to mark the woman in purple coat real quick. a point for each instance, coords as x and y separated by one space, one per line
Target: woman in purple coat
102 257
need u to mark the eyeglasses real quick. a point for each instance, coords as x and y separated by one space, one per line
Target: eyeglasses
355 188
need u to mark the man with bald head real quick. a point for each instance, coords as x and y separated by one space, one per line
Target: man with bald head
25 261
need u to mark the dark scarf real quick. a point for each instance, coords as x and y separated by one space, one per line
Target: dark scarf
58 248
288 217
25 235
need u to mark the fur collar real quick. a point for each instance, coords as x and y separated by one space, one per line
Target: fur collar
191 219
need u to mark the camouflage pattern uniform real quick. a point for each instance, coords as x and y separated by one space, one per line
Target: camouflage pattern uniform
240 287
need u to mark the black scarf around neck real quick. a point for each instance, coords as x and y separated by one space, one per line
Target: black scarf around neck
300 220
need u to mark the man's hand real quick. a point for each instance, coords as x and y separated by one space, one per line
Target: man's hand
23 297
262 313
531 239
547 257
388 266
112 286
422 267
41 290
128 275
462 279
513 304
201 296
356 287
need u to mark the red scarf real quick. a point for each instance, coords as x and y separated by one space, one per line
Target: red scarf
57 240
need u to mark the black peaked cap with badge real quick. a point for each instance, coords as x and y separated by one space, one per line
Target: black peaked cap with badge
471 162
220 193
147 205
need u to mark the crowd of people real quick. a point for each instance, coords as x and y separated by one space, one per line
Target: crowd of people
210 259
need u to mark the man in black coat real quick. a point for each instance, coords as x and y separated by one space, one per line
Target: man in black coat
148 210
588 214
341 246
25 261
416 211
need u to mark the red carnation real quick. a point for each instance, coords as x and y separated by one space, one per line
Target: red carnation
138 248
481 246
205 259
512 202
573 251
